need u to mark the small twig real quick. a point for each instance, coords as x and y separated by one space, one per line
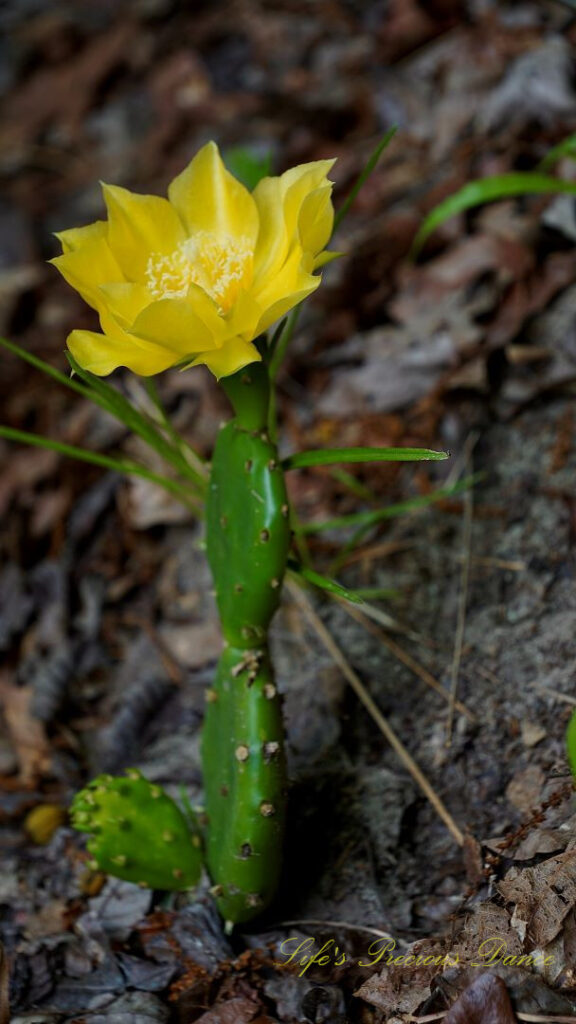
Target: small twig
532 1018
371 612
564 697
374 711
311 922
379 550
494 563
406 658
468 507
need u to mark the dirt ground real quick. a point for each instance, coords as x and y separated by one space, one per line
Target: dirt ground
108 630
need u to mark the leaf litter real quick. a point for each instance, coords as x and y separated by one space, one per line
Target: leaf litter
477 335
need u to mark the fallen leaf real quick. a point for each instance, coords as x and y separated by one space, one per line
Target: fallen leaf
26 732
542 896
485 1001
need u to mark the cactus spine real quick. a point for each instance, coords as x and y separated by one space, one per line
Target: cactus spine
247 539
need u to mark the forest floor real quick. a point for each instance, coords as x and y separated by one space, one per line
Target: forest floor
108 630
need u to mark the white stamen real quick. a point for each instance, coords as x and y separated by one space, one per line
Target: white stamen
219 264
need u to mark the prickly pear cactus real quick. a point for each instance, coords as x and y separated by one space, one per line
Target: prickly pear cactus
247 540
137 832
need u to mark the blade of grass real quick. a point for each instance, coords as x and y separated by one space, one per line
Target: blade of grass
364 175
106 397
284 339
195 461
367 519
404 508
565 148
324 583
487 190
351 483
327 457
123 466
119 406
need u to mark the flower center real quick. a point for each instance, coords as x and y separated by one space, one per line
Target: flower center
219 264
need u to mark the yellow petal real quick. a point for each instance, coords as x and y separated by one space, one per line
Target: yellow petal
286 289
139 226
209 198
273 242
124 301
316 219
100 354
176 324
75 238
244 317
297 185
306 177
280 203
89 267
234 355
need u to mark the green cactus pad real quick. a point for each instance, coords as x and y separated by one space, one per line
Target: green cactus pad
138 832
247 542
245 784
247 533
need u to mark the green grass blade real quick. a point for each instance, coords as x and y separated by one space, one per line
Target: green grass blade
195 462
107 398
565 148
123 466
327 457
50 371
487 190
117 405
367 519
364 175
325 583
352 484
284 340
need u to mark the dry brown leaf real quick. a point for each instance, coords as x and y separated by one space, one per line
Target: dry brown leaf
543 896
485 1001
26 732
239 1010
402 988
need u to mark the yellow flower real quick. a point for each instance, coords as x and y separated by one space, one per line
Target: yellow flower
195 278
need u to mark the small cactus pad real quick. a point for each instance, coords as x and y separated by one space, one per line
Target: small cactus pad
138 832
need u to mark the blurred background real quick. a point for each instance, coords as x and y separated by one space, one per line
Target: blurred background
107 629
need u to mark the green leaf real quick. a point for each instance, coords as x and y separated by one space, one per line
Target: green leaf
124 466
246 165
571 743
327 457
565 148
367 519
487 190
325 583
364 175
